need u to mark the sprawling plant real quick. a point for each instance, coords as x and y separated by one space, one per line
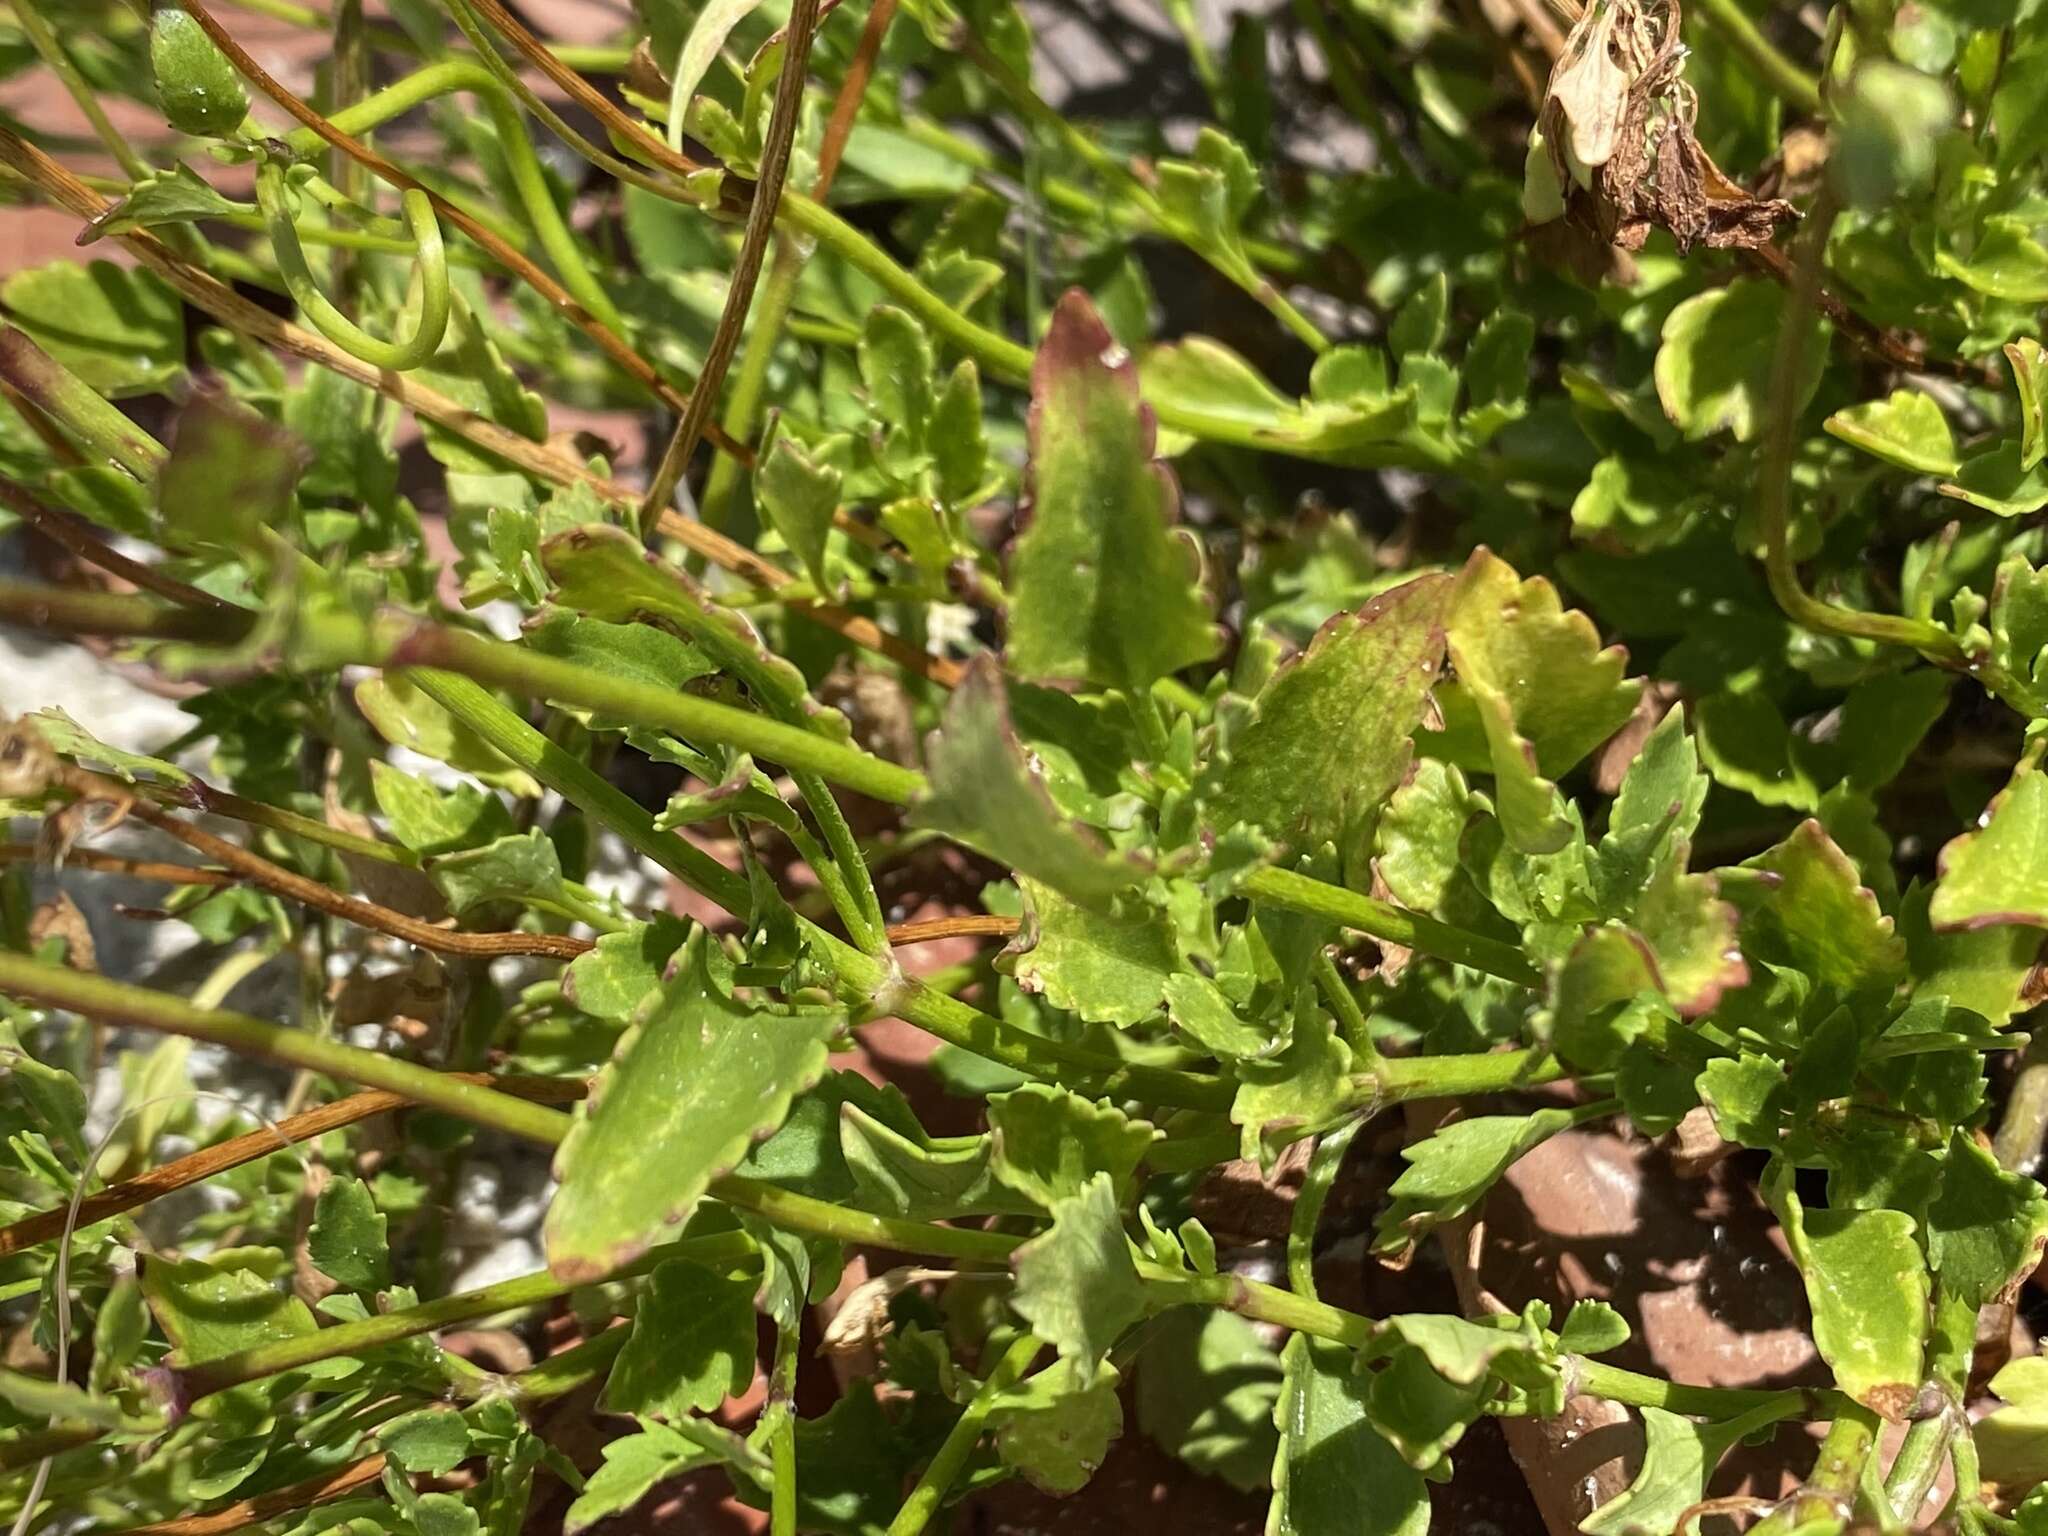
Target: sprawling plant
969 591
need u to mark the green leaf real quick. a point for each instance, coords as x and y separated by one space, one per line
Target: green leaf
1206 1385
959 445
1107 967
1364 680
1984 970
221 1305
612 980
1450 1171
1998 481
1306 1085
1691 934
346 1241
1200 1009
2029 363
799 496
1679 1456
1547 693
1996 875
692 1345
1101 590
1333 1472
2007 262
120 330
176 196
644 653
1421 832
1420 1414
406 717
1592 1328
1748 1098
1594 992
521 867
230 473
434 821
1867 1283
1816 916
1056 1431
634 1465
1986 1229
1076 1283
603 571
898 1170
2013 1441
985 793
1907 429
428 1442
1715 361
895 359
698 1078
1048 1143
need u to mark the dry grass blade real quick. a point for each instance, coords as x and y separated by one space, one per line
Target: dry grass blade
739 294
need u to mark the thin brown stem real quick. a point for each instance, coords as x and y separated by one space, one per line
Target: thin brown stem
111 864
80 538
196 1167
280 881
581 91
267 1506
852 90
974 925
746 272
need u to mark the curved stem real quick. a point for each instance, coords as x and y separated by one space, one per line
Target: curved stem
529 180
1774 487
401 353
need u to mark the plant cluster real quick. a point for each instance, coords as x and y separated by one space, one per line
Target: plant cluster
1652 742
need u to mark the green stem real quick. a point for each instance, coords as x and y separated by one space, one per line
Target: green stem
961 1439
578 783
750 384
1308 1206
1402 1078
1383 920
1774 492
822 1218
77 407
514 1295
529 181
1830 1492
1640 1391
996 354
1267 1304
29 17
1951 1349
1799 89
117 1002
529 673
865 978
68 610
1224 259
402 353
